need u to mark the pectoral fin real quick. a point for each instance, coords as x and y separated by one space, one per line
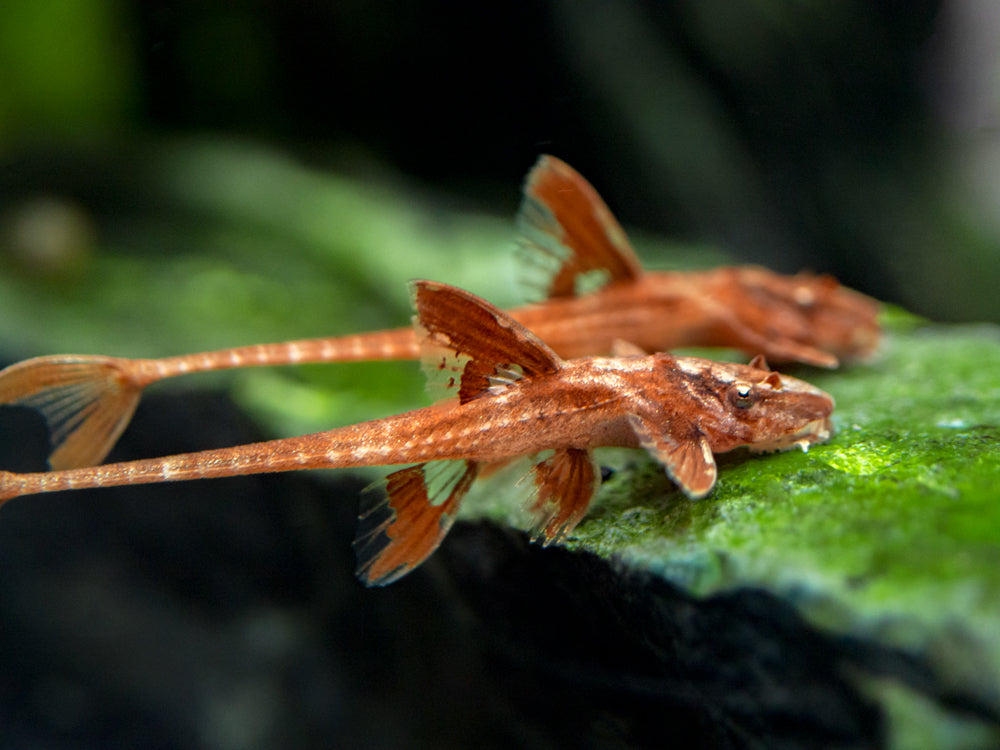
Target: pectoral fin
569 230
685 453
565 483
400 527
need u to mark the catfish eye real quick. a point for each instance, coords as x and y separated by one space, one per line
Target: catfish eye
742 396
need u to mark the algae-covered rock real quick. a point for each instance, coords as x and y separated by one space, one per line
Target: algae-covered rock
891 530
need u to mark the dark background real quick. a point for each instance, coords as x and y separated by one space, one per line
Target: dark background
851 137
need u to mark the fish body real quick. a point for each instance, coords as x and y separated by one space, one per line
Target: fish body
566 229
513 396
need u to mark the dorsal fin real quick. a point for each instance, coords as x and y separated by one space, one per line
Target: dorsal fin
569 229
480 346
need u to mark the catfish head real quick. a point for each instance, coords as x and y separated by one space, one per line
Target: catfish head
693 408
759 408
805 310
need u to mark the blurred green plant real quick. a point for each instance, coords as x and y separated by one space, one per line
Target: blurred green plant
66 70
230 244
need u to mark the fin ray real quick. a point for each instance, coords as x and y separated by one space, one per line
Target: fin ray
86 401
569 231
477 346
565 484
688 460
402 526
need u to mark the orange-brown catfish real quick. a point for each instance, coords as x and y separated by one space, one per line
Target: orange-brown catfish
515 397
89 400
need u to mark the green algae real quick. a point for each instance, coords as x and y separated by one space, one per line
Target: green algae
890 530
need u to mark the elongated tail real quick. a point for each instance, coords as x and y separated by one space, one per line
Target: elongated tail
404 524
400 525
272 456
88 401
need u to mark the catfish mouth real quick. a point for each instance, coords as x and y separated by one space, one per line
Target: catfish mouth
816 431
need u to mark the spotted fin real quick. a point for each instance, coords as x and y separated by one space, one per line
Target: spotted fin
402 525
569 233
686 454
475 347
86 401
565 483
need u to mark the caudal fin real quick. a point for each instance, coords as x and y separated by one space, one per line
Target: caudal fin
407 522
86 401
